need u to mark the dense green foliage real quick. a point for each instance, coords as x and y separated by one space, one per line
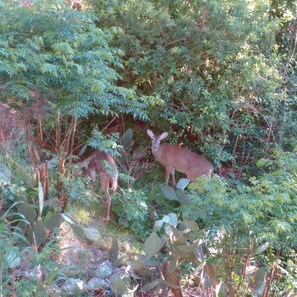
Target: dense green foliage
239 221
217 67
50 49
219 76
247 231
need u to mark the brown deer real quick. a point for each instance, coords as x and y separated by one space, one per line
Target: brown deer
104 165
174 157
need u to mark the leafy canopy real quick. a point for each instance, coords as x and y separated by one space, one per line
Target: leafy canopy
60 53
215 64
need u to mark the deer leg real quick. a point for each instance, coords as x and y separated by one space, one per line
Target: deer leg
168 171
173 177
108 202
104 179
113 185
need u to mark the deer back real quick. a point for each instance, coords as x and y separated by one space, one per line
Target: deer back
104 165
183 160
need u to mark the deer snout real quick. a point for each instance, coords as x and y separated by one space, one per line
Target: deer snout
155 146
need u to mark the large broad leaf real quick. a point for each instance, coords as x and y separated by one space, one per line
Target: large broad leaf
158 225
54 221
151 262
78 231
171 231
126 139
69 219
257 278
27 211
153 245
170 219
183 183
169 193
115 249
186 252
182 197
192 225
91 234
38 233
137 265
260 281
52 203
83 149
150 286
22 226
121 286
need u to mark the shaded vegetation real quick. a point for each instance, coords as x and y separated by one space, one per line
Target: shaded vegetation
219 76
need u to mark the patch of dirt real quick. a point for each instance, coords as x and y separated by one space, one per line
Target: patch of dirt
74 251
11 120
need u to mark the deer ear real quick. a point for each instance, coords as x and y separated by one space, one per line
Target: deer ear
163 135
150 133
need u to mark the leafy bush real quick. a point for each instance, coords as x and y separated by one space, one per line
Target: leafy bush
250 225
133 211
242 235
23 269
226 83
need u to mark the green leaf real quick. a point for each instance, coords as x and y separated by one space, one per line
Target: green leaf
126 140
27 211
170 219
182 183
151 262
182 197
169 193
68 219
38 233
137 265
91 234
52 203
54 221
78 231
115 249
120 286
13 259
153 245
150 286
259 279
158 225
